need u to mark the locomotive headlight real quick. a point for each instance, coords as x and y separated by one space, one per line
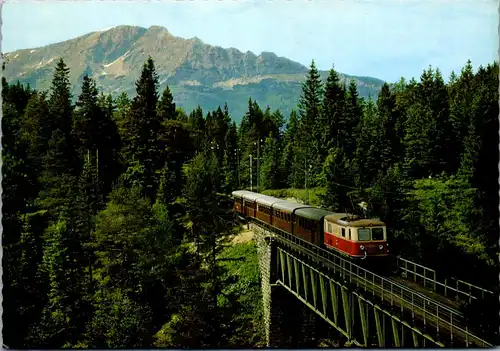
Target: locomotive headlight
380 247
362 247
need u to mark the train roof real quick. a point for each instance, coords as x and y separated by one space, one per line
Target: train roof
316 214
290 206
367 222
353 220
336 217
240 193
267 200
252 196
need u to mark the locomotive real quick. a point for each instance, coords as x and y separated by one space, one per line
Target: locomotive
352 236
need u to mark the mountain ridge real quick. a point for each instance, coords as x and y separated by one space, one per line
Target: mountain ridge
197 73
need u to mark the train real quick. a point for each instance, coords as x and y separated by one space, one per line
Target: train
350 235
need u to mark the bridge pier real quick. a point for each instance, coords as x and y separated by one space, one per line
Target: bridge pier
292 323
287 321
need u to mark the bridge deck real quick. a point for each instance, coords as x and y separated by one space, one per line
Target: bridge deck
427 292
431 311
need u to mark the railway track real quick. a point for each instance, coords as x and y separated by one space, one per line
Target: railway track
413 305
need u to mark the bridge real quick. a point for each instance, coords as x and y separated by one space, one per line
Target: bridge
308 291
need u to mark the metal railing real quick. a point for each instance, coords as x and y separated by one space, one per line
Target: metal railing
430 311
450 287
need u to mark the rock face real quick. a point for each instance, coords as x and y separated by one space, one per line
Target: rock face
197 73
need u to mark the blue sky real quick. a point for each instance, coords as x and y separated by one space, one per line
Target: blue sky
386 39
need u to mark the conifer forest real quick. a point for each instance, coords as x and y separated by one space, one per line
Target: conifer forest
117 223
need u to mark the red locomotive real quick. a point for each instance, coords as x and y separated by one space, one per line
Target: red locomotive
350 235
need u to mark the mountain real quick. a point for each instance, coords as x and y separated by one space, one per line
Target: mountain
196 72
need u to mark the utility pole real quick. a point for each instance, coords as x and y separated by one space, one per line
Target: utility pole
238 166
97 161
305 185
306 174
251 172
258 164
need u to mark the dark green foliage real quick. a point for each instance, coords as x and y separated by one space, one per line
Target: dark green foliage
117 224
231 158
349 127
336 176
60 99
334 107
270 169
141 128
311 124
209 224
166 106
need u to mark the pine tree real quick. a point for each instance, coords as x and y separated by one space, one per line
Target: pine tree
230 165
61 110
107 156
140 147
389 147
197 123
334 106
336 178
87 117
270 169
349 127
122 111
209 225
166 106
311 127
292 175
37 126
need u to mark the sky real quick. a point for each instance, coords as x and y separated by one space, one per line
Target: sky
386 39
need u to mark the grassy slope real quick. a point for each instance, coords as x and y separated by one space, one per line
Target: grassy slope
248 287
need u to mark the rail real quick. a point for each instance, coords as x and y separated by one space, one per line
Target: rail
449 288
430 311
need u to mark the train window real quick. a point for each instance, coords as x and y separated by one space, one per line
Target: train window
329 228
343 232
363 234
377 234
349 234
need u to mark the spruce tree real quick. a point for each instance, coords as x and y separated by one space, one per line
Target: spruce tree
61 110
166 106
310 118
333 112
349 127
140 147
87 117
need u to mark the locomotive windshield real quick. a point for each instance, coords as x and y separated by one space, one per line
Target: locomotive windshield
363 234
367 234
377 234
